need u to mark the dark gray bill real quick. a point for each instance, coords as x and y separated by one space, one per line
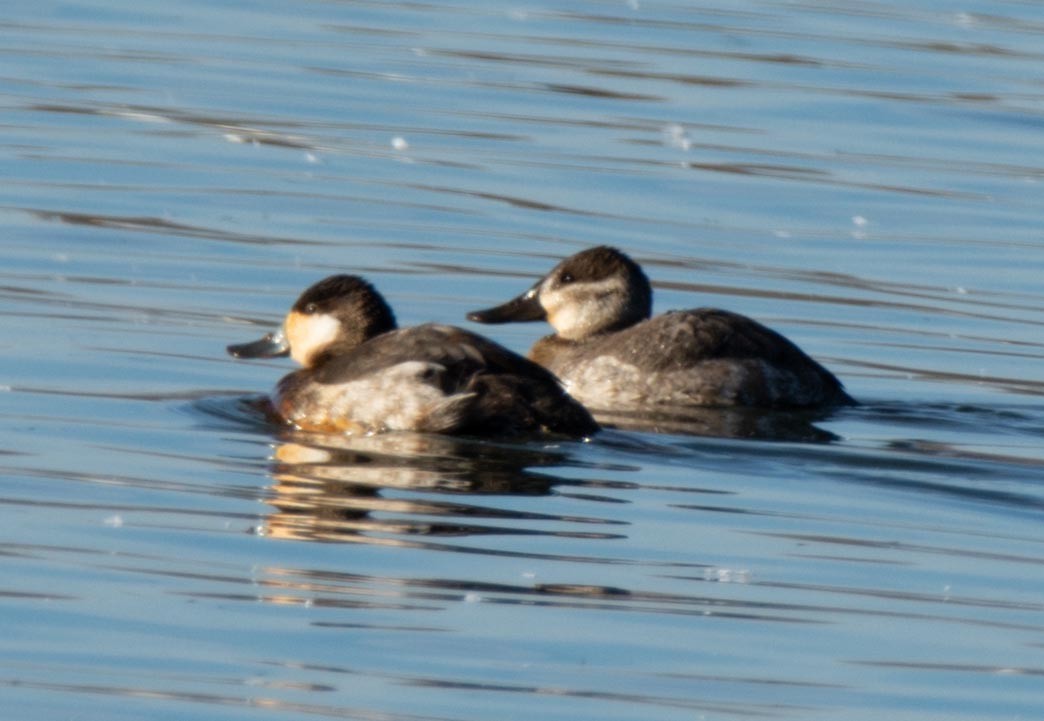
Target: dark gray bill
524 307
271 346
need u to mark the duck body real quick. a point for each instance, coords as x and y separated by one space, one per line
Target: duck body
362 374
700 357
612 355
429 378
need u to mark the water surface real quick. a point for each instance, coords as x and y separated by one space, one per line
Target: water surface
865 178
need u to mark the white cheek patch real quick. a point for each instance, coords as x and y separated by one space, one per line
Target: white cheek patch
309 334
566 320
575 311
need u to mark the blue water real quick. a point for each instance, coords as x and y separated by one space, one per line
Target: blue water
865 178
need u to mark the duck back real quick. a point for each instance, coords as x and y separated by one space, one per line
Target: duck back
431 378
705 356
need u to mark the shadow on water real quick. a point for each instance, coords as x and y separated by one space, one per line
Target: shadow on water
740 423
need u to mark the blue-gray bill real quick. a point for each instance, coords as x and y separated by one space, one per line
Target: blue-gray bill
272 345
525 307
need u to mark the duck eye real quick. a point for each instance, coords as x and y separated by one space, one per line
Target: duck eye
566 278
311 308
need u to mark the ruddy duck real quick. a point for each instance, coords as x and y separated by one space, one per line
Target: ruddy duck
362 374
611 355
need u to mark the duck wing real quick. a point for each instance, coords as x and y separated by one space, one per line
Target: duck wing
682 341
460 352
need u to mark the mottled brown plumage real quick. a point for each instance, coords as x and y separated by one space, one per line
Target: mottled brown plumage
362 374
612 356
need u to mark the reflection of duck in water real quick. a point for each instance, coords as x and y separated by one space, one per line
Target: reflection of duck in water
613 356
362 374
391 489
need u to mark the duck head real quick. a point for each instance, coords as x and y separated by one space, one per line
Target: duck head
337 313
598 290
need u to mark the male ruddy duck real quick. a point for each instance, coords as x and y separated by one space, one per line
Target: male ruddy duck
612 356
362 374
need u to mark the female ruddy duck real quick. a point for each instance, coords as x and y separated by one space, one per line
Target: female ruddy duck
611 355
362 374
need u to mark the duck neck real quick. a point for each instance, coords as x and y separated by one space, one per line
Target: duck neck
554 352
